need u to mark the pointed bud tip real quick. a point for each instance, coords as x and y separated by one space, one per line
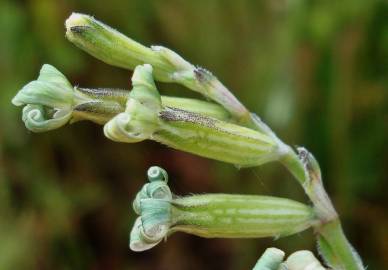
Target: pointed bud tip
76 19
143 75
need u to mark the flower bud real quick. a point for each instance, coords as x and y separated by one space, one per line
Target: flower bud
145 117
213 215
114 48
51 102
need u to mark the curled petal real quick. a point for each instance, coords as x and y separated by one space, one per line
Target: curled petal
34 117
156 173
138 241
136 124
155 218
51 89
153 204
270 260
158 190
303 259
122 128
154 190
153 225
48 100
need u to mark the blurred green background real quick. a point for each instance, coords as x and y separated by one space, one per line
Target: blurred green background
315 71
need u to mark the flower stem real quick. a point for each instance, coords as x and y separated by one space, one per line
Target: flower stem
333 245
336 249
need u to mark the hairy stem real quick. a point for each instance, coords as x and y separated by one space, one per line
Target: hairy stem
335 248
332 243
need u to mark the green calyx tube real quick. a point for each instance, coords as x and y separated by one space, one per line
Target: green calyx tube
212 215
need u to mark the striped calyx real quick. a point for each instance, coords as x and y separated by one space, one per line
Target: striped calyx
215 139
213 215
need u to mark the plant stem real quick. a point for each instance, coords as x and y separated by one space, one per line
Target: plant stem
336 249
333 245
293 164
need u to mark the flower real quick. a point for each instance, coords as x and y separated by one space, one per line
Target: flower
51 102
211 215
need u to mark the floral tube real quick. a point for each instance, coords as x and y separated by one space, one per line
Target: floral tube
212 215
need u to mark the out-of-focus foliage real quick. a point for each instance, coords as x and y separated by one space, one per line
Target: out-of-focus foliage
315 71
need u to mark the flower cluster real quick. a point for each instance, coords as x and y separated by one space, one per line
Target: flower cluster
226 132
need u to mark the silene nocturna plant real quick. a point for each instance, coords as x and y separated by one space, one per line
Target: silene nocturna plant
224 131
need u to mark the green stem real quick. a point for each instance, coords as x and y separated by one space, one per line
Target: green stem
293 164
336 249
333 245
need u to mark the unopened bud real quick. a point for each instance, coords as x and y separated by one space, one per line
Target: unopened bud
114 48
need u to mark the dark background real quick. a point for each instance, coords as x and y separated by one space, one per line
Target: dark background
315 71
